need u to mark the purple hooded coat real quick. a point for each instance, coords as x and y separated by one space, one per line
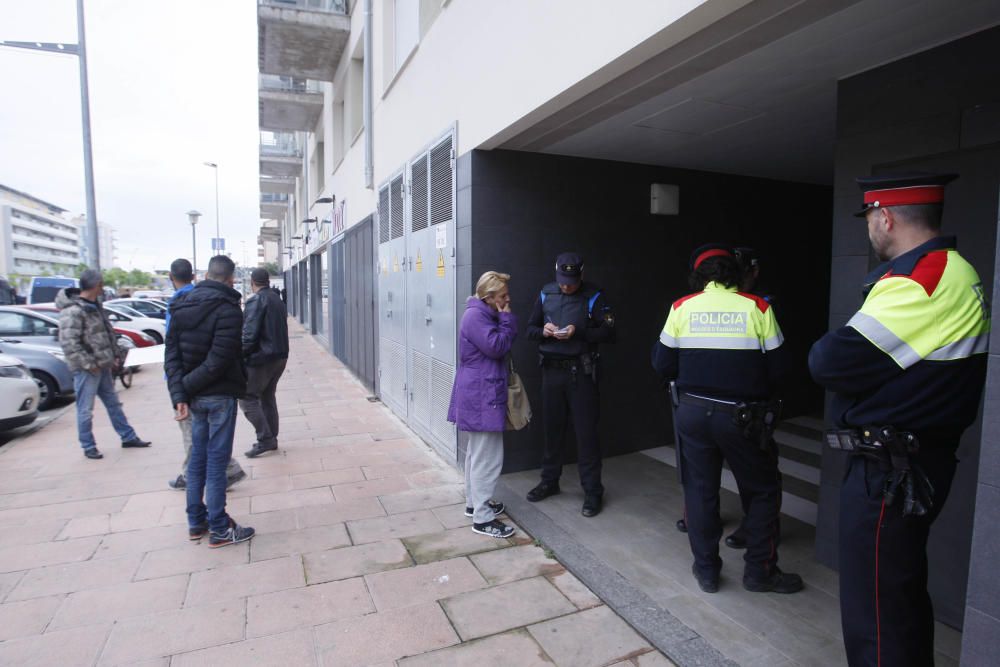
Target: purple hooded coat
479 396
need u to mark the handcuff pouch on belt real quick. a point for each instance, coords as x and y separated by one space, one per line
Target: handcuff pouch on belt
893 450
758 420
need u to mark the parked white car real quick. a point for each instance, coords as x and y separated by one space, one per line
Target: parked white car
18 394
127 318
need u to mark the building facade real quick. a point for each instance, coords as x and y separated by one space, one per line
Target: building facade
408 146
36 237
107 243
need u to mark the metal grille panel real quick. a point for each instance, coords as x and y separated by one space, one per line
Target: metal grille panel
418 196
393 371
396 207
441 183
383 214
442 377
420 391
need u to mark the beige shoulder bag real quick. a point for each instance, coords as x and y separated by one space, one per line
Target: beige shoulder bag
518 406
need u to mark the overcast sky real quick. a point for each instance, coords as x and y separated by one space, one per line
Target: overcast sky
173 83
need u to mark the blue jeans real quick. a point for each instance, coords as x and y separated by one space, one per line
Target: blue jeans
213 424
87 386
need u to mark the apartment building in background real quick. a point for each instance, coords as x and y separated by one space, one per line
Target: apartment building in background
407 146
107 242
36 237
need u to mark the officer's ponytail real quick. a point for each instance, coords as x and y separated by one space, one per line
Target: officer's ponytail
722 269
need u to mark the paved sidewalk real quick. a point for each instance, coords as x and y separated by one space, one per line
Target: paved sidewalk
363 555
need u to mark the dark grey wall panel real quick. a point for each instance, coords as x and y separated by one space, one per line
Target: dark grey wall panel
525 208
930 121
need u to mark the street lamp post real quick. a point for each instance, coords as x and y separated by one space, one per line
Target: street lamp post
193 216
217 234
79 50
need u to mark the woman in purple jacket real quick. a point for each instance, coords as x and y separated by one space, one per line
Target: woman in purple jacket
479 397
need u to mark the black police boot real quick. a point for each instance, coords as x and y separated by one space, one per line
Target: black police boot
706 582
777 582
682 525
543 491
592 504
737 539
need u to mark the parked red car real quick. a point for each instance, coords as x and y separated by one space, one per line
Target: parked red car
137 337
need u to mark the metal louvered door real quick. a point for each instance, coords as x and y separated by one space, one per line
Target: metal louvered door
430 290
392 297
416 293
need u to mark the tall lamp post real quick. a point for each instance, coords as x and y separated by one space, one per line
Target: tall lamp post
217 234
79 50
193 216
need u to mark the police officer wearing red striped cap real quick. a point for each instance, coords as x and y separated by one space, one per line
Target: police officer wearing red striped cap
724 352
906 373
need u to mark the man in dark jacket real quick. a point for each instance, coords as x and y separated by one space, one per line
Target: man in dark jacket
182 277
205 376
91 350
265 350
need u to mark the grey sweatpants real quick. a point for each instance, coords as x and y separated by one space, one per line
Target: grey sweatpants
483 461
232 470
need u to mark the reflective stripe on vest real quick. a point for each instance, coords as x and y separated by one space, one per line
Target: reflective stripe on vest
938 312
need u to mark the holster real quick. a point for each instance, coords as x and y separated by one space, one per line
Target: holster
758 420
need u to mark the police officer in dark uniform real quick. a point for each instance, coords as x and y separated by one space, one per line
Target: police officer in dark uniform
907 373
750 266
723 348
570 319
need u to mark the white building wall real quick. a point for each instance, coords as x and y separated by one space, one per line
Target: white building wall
490 68
36 242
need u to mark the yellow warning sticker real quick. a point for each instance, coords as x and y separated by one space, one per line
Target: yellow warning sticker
395 264
420 263
440 270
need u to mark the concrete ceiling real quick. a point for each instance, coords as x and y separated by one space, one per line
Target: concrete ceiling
755 94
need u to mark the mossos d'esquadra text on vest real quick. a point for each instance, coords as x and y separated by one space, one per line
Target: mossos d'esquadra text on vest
719 322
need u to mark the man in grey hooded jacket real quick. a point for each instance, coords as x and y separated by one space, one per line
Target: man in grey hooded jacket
91 350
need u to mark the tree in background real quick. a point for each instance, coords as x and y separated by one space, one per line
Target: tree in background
115 278
79 269
139 278
272 268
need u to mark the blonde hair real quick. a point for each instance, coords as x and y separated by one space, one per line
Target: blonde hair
490 283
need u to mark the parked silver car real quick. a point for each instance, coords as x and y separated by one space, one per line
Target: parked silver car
47 363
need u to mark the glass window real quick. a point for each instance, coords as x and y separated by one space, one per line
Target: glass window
14 324
306 311
324 309
406 30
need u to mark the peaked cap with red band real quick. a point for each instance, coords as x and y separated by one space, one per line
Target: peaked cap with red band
702 253
902 189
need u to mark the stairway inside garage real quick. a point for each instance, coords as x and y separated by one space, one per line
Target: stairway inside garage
799 440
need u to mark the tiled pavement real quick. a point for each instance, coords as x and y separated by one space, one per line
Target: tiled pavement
363 555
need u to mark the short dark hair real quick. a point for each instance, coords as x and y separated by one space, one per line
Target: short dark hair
220 268
90 279
181 270
921 215
722 269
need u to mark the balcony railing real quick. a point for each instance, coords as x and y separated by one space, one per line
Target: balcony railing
336 6
279 145
273 198
288 84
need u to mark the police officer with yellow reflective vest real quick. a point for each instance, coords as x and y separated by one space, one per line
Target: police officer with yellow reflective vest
723 350
570 319
906 373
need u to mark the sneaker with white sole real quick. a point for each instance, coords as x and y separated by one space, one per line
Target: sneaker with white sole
233 535
494 528
497 507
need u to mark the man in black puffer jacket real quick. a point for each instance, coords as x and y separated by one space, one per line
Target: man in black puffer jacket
265 350
205 376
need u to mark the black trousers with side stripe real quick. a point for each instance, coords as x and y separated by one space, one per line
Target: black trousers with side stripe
886 613
566 395
709 437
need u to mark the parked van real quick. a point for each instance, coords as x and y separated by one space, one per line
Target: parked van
44 289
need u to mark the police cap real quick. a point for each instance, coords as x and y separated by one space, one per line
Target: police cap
902 189
701 253
569 268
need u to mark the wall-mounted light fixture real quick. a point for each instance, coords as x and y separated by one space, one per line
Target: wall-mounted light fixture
664 199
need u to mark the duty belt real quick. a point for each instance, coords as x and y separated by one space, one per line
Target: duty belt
758 419
566 364
893 450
